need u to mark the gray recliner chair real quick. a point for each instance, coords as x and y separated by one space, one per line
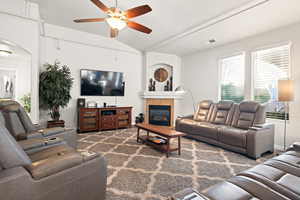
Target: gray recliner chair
59 173
21 127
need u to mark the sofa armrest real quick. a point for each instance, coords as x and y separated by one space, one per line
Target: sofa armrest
51 131
54 164
261 126
38 126
15 183
185 117
294 147
33 135
37 144
188 193
260 139
31 144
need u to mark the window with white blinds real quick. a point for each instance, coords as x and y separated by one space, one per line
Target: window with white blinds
269 66
232 78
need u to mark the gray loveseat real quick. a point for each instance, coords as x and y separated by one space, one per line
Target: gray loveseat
236 127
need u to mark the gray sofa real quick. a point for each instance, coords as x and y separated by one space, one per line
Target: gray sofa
18 123
275 179
59 173
236 127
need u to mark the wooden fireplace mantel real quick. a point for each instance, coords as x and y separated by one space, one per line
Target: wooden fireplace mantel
159 102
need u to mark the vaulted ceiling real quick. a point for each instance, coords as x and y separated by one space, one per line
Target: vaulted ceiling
180 26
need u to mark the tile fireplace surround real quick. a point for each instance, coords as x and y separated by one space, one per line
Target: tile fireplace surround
162 99
159 102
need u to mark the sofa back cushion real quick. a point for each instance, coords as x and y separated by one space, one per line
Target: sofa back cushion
203 111
222 112
16 119
11 154
260 116
246 114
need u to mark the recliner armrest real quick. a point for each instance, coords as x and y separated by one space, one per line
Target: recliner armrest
31 144
51 131
88 155
38 126
186 117
259 140
295 147
54 164
33 135
15 183
257 127
37 144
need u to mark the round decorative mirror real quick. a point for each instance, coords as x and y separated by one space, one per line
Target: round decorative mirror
161 75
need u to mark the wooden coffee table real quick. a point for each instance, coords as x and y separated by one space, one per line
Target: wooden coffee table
164 132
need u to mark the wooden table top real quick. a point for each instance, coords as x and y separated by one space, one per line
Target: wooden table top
160 130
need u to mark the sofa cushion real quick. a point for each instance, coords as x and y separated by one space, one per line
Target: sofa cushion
233 136
245 114
54 164
260 116
12 122
49 152
202 113
222 112
206 129
249 106
17 120
11 154
224 105
278 180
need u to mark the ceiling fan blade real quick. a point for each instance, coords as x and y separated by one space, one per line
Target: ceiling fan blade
114 32
139 27
137 11
100 5
89 20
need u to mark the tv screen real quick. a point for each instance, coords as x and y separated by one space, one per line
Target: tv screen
101 83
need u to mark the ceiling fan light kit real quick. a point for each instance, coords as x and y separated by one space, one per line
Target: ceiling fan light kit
118 19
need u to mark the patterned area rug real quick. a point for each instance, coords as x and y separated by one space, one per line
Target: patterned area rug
138 172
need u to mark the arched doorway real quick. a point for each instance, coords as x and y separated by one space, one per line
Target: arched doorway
15 74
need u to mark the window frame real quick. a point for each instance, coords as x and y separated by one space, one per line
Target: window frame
241 53
252 65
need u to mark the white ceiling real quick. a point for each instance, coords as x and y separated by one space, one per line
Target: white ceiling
171 18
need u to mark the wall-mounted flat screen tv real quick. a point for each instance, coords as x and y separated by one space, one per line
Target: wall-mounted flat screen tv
101 83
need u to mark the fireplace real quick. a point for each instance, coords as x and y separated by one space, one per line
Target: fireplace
160 115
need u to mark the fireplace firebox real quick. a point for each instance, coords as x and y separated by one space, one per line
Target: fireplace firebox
160 115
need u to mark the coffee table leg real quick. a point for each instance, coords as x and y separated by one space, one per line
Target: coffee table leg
179 145
168 148
138 135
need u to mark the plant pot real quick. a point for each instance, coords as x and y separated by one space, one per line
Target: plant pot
52 124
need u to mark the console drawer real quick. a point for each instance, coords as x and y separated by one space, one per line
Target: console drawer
108 125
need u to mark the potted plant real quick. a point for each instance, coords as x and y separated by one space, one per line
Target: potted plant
55 85
26 102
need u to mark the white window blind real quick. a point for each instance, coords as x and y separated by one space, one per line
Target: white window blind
232 78
269 66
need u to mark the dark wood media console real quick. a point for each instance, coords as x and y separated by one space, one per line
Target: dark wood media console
98 119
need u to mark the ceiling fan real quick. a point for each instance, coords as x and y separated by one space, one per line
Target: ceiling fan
118 19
